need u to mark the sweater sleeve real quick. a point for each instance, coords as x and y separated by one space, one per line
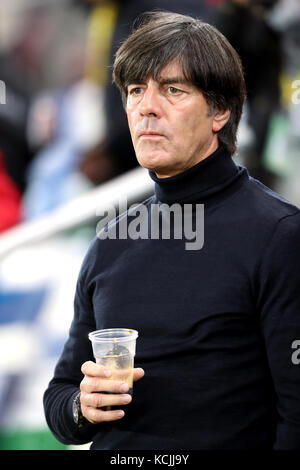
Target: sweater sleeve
279 307
62 389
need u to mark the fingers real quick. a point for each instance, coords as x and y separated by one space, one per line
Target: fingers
97 384
96 407
99 400
95 415
99 393
93 369
93 372
91 404
138 373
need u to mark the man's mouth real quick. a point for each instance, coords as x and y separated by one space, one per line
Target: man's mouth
150 134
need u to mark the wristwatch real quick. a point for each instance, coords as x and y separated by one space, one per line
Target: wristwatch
77 413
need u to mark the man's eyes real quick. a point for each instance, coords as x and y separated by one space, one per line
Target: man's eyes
136 91
170 90
173 91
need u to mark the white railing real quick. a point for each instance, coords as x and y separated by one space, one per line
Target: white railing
132 186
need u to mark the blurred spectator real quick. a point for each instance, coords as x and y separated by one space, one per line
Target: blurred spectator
23 60
13 119
283 149
64 119
244 23
71 124
10 199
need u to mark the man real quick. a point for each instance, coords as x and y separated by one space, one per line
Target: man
218 325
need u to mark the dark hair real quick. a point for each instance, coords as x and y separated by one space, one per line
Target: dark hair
207 59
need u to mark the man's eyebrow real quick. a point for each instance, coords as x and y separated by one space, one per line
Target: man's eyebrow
136 82
162 81
170 80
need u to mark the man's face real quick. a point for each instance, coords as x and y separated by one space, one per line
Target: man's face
170 122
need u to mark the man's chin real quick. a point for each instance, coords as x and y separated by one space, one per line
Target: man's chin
157 164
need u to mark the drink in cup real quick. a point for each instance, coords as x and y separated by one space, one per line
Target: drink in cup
115 349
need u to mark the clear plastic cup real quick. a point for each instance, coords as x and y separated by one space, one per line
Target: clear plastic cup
114 348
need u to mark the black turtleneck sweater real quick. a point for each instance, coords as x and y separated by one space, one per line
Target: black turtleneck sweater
217 326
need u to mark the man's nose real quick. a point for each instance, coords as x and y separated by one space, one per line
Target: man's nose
150 103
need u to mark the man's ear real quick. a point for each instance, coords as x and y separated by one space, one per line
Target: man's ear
220 119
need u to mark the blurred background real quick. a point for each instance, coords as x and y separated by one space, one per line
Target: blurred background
65 151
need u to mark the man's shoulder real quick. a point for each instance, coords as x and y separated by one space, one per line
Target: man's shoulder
265 219
267 205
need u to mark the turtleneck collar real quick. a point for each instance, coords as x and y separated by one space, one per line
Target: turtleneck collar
201 181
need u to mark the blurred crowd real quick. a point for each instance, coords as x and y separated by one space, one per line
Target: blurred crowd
62 126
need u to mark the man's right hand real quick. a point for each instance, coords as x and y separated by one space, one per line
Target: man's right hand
97 391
